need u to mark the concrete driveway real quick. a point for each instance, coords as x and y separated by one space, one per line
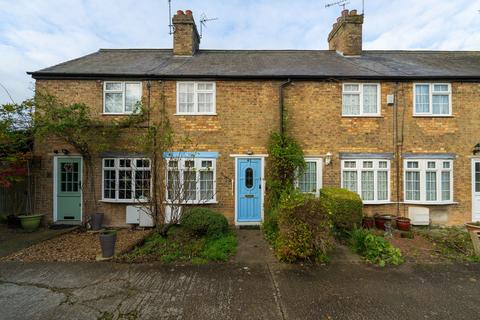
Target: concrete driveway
238 291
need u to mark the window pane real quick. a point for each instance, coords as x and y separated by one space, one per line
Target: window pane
477 176
108 163
446 186
349 164
351 87
440 104
142 184
206 185
431 186
117 86
132 96
412 185
446 165
431 164
382 185
124 184
440 88
351 104
109 184
186 97
307 181
249 178
422 98
350 180
190 185
382 164
113 102
368 164
370 98
367 185
173 185
206 163
412 164
125 163
205 102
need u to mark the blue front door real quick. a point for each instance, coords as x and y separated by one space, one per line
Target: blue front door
249 190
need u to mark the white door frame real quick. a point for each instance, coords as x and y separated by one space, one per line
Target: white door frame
262 179
55 185
474 217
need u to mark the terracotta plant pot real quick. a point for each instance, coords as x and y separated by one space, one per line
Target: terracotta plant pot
403 223
380 221
108 239
473 226
368 222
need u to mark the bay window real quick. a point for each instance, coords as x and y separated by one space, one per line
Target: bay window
191 180
370 178
428 181
126 179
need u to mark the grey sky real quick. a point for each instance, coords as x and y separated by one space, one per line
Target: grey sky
38 33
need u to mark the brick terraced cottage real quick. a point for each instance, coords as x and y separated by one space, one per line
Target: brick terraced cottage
398 127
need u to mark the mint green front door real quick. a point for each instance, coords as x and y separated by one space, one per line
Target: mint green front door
69 188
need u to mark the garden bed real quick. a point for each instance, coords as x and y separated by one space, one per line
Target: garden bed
76 246
181 246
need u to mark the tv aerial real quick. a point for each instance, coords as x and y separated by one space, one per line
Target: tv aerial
343 4
203 22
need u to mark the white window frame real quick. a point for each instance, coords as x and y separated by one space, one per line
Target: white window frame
117 168
124 96
360 93
198 168
318 181
195 98
376 168
422 168
431 94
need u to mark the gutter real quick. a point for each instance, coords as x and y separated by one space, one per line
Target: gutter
281 106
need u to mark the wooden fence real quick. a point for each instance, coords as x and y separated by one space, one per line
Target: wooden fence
13 200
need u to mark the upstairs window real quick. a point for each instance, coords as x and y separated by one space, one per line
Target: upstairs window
361 99
432 99
121 97
195 97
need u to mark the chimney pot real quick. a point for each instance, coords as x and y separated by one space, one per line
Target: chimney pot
188 12
353 12
180 12
345 13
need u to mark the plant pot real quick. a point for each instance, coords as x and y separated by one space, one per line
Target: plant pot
403 223
96 221
368 222
380 221
107 243
473 226
30 223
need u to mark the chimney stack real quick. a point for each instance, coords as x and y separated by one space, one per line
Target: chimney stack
346 34
186 39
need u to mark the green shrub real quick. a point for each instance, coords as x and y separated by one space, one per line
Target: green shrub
344 206
270 227
204 222
303 228
374 248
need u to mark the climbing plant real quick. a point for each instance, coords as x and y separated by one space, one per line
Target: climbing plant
286 159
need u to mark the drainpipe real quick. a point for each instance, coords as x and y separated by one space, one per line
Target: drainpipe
280 106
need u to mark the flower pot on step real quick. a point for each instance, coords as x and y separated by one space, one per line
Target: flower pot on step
108 239
381 220
403 223
30 223
368 222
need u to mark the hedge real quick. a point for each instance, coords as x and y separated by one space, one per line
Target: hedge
344 207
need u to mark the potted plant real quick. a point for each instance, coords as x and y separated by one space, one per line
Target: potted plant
368 222
382 219
108 238
473 226
403 223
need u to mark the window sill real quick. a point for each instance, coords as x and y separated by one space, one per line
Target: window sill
431 116
195 114
190 203
127 201
377 202
119 114
426 203
360 116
